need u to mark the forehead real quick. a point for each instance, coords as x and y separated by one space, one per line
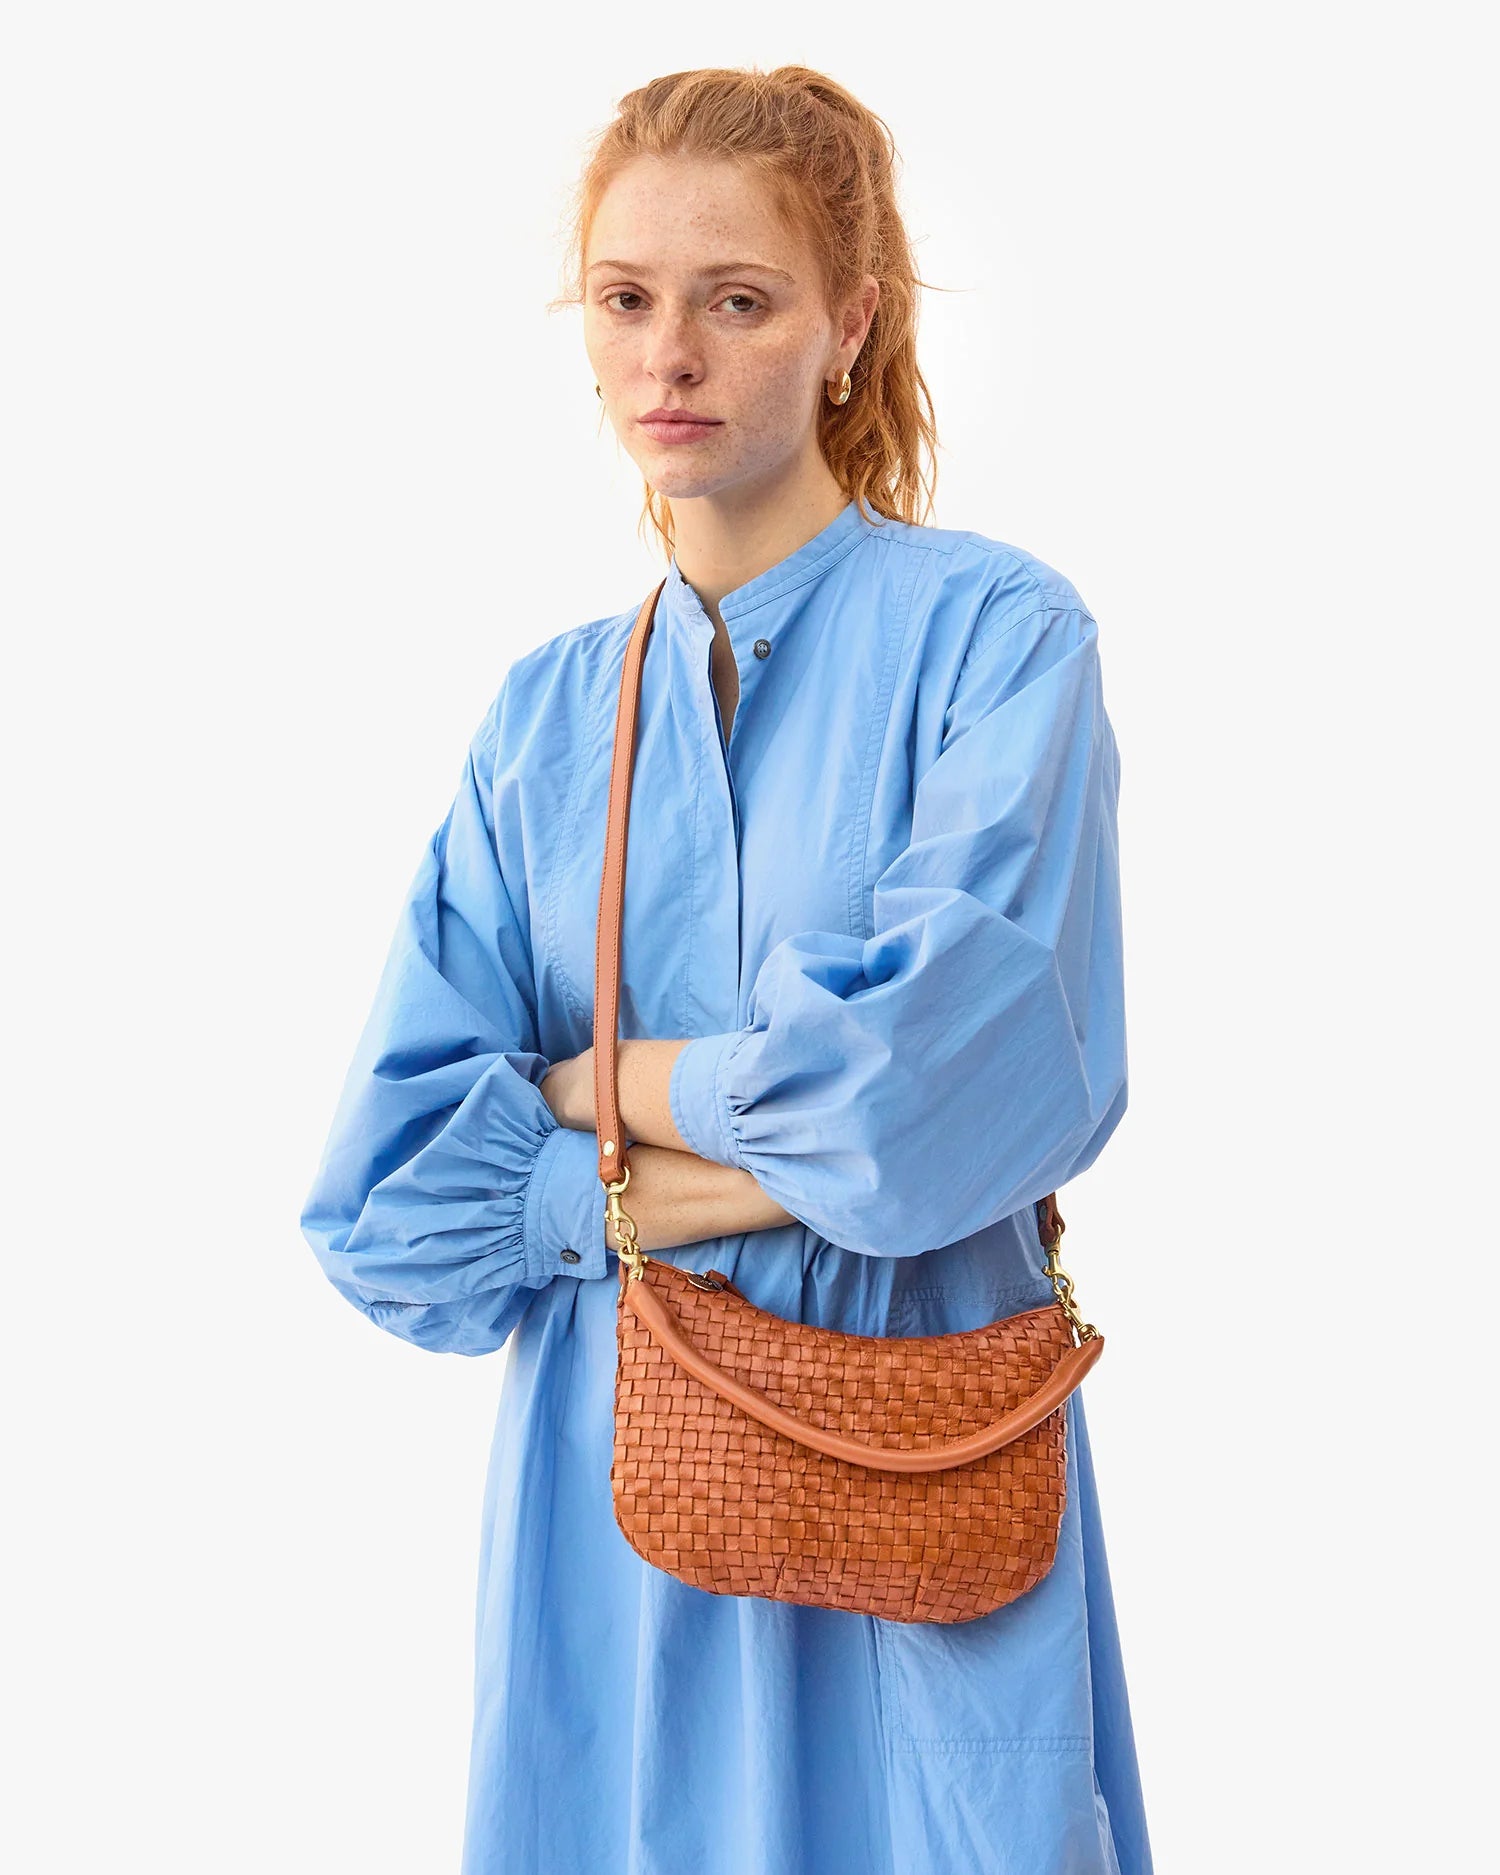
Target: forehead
688 215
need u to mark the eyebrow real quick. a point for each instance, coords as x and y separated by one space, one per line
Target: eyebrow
719 267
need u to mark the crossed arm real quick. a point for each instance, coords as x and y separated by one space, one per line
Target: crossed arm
675 1196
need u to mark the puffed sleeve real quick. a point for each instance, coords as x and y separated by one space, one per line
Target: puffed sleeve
447 1190
900 1092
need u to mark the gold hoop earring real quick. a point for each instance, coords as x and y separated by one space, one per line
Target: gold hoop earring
844 389
598 393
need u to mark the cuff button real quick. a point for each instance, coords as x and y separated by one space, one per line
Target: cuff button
570 1256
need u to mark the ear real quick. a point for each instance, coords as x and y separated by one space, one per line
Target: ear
858 313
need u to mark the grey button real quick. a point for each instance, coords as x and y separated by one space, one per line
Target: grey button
763 647
570 1256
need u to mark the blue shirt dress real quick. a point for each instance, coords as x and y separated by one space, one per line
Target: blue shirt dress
887 910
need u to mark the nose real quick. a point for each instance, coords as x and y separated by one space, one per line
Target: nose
672 349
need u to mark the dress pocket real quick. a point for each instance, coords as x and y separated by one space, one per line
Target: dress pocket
1015 1679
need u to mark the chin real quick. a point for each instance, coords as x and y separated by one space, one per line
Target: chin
678 482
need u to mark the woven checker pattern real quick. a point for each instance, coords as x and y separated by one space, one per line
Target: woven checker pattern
706 1492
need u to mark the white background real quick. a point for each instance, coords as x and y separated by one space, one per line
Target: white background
296 462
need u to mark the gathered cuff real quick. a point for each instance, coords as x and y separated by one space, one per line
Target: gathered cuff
563 1216
698 1102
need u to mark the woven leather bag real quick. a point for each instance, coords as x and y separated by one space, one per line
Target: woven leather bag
916 1478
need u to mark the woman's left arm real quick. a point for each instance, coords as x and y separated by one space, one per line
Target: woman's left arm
900 1092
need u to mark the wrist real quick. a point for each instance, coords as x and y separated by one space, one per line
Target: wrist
644 1073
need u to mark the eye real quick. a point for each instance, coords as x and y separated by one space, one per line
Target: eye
743 305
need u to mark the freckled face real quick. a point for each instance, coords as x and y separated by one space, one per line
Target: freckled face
698 299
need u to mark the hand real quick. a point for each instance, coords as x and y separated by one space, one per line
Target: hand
568 1089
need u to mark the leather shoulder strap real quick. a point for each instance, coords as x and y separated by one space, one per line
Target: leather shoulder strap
612 902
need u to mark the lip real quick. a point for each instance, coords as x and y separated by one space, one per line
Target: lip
679 430
663 415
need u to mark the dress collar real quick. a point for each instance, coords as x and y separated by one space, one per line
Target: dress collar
850 526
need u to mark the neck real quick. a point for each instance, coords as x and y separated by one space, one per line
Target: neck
723 540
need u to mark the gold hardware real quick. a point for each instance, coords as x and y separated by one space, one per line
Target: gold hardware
623 1225
1062 1283
609 1146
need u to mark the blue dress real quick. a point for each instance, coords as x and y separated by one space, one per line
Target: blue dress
888 913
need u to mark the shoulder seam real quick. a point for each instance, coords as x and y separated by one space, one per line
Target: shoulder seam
590 628
1035 586
982 641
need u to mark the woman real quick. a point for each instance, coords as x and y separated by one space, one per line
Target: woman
872 1011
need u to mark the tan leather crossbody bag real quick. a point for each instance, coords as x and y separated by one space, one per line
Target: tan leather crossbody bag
917 1478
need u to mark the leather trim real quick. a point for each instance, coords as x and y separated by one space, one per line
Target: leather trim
661 1320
